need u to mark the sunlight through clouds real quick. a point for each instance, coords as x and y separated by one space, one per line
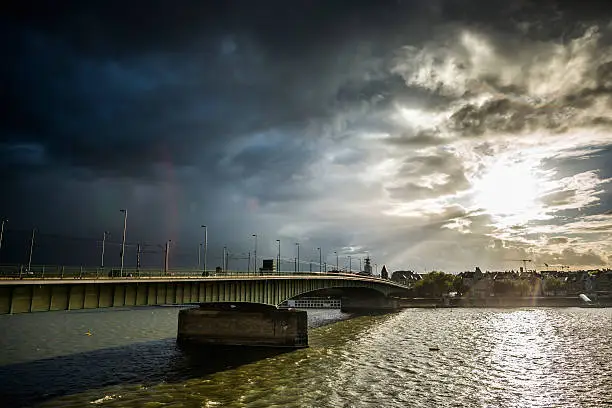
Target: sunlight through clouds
510 190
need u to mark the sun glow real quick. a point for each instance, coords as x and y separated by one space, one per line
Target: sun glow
510 191
418 118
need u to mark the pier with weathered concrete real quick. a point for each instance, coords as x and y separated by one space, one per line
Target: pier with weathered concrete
243 325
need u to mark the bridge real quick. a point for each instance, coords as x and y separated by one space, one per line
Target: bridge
235 307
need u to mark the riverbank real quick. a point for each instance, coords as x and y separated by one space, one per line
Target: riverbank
527 301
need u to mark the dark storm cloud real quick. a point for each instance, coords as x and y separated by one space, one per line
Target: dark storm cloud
563 197
445 164
422 138
116 87
507 116
122 116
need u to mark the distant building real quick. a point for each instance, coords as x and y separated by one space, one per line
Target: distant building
367 268
407 278
268 265
603 281
476 283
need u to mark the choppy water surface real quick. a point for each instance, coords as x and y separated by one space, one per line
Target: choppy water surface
486 357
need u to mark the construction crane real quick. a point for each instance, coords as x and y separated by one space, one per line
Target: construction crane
524 261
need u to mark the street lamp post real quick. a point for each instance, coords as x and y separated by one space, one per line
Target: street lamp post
337 264
124 211
138 253
205 244
350 264
4 220
167 257
31 249
320 260
199 255
224 259
297 262
278 257
360 268
255 254
106 234
227 259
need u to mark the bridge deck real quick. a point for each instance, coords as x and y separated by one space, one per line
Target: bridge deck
166 279
34 294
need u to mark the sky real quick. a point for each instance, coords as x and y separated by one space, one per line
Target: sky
438 134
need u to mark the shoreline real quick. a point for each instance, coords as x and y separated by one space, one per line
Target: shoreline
504 302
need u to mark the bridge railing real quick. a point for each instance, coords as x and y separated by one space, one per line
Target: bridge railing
81 272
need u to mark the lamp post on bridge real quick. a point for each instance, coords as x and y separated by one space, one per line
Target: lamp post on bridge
138 254
255 255
320 260
31 249
278 257
124 211
167 256
297 262
199 255
106 234
227 259
4 220
350 264
337 264
224 259
205 246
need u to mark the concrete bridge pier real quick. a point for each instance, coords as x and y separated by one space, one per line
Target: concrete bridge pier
242 324
376 304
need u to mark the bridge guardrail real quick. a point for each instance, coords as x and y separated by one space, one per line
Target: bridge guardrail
51 272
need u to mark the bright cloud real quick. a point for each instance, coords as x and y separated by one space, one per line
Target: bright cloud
509 111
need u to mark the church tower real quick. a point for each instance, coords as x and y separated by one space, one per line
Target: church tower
367 268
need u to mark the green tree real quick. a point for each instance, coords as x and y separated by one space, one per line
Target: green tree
436 284
554 285
522 287
503 287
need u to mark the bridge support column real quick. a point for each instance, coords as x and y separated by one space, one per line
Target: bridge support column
243 325
370 304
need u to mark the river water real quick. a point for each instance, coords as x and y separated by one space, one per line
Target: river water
486 358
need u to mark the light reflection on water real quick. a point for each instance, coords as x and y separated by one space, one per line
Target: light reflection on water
486 357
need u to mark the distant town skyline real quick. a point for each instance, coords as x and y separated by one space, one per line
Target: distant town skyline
430 134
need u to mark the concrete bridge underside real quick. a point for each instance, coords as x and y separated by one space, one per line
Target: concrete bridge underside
24 296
